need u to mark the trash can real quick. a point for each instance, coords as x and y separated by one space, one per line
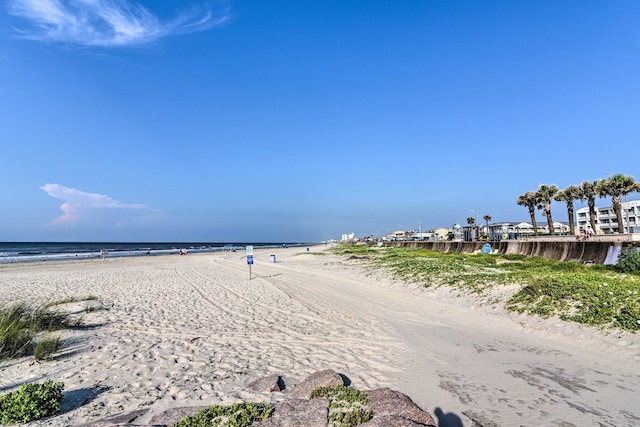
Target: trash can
272 258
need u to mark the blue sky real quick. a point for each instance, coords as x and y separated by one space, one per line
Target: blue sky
301 120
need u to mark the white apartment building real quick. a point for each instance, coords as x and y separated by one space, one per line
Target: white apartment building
606 220
348 237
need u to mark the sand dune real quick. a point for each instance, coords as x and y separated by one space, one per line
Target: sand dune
194 330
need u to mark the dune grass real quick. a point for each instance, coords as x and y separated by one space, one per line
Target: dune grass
595 295
21 323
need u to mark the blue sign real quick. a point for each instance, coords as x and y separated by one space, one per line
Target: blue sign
250 259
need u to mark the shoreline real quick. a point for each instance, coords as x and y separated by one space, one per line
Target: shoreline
22 252
194 330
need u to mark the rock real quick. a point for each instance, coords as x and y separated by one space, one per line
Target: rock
392 421
385 401
327 378
389 408
174 415
268 384
299 413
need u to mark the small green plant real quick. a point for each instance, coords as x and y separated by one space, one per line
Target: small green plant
31 402
629 260
347 406
237 415
46 347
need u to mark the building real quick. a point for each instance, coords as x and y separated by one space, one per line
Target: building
606 220
517 230
348 237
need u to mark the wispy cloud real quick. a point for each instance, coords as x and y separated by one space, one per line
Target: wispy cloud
105 23
81 207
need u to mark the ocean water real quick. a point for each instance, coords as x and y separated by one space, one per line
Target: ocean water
11 252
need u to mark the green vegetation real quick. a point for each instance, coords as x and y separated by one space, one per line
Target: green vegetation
31 402
347 406
237 415
19 325
46 347
595 295
629 260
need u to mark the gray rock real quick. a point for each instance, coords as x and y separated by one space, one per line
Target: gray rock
299 413
389 408
268 384
392 421
327 378
385 401
174 415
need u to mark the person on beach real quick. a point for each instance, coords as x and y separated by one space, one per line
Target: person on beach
583 235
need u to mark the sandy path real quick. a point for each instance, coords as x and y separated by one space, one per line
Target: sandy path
507 369
194 330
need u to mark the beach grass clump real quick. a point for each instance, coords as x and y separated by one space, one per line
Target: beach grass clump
20 323
347 406
242 414
46 347
31 402
596 295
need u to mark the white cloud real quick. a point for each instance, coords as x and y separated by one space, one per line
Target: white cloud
105 22
81 207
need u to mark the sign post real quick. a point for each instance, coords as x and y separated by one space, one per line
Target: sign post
250 259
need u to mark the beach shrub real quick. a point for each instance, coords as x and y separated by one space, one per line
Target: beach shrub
629 260
31 402
347 406
241 414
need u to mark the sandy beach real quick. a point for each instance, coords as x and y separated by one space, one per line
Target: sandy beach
194 330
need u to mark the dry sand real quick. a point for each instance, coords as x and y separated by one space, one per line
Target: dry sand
194 330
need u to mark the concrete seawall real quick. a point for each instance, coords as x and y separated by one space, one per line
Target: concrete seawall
563 249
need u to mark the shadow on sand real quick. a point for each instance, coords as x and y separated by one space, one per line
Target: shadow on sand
74 399
448 419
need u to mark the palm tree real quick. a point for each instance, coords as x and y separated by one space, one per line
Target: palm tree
487 218
471 221
568 195
588 193
546 193
617 186
530 200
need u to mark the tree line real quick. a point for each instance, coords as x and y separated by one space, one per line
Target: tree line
615 186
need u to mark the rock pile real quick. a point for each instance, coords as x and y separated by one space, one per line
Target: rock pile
389 408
